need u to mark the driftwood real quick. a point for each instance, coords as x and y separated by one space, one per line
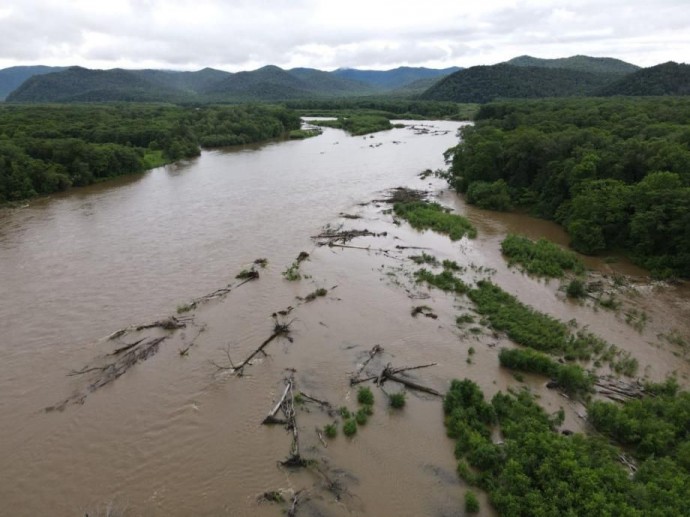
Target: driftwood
619 390
391 374
115 365
279 330
292 511
376 349
403 195
184 351
333 236
271 417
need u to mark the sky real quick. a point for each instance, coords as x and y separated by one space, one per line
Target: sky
236 35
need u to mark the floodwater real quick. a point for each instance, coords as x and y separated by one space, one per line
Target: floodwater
179 435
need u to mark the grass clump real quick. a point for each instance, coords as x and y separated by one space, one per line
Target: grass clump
397 400
540 258
184 308
424 258
361 416
316 294
365 396
246 274
451 265
330 430
573 379
576 289
344 412
350 427
471 503
423 215
445 281
464 319
301 134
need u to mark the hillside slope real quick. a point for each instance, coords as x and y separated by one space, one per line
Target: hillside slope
665 79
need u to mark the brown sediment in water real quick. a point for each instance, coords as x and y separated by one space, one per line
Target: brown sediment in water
176 435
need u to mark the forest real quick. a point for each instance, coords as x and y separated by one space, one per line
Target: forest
615 173
48 148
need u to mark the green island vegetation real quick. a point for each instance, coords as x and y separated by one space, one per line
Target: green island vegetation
615 173
541 258
49 148
357 124
424 215
446 280
301 134
537 471
572 378
404 109
397 400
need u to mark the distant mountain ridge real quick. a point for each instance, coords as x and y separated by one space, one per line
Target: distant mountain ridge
596 65
11 78
503 81
269 83
665 79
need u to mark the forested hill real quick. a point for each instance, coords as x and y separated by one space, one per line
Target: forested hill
78 84
596 65
485 83
665 79
615 172
11 78
45 149
269 83
394 79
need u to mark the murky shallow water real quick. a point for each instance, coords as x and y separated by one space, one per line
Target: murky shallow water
177 436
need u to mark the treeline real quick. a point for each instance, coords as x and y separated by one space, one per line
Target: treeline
44 149
385 106
614 172
535 470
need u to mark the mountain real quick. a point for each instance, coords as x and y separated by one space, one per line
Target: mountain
596 65
189 82
11 78
392 79
77 84
485 83
269 83
330 83
665 79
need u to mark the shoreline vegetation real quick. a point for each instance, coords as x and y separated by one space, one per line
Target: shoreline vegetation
615 173
50 148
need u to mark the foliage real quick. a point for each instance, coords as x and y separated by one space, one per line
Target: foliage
361 416
471 502
445 280
541 258
397 400
664 79
424 215
490 196
350 427
424 258
582 63
365 395
358 124
44 149
614 172
485 83
571 378
301 134
576 289
330 430
536 471
385 106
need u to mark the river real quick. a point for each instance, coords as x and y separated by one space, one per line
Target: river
176 435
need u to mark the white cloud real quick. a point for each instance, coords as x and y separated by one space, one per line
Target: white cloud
244 34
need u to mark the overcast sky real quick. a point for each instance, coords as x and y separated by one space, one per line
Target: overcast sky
327 34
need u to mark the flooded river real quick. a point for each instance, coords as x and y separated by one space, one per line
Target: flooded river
178 434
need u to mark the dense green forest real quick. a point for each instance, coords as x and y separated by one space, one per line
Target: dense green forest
486 83
535 470
384 106
606 65
614 172
665 79
49 148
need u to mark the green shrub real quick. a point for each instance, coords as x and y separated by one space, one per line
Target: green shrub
541 258
491 196
349 427
361 416
445 281
471 503
576 289
424 215
330 430
397 400
365 396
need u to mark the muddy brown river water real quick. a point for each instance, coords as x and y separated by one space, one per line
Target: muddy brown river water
176 435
